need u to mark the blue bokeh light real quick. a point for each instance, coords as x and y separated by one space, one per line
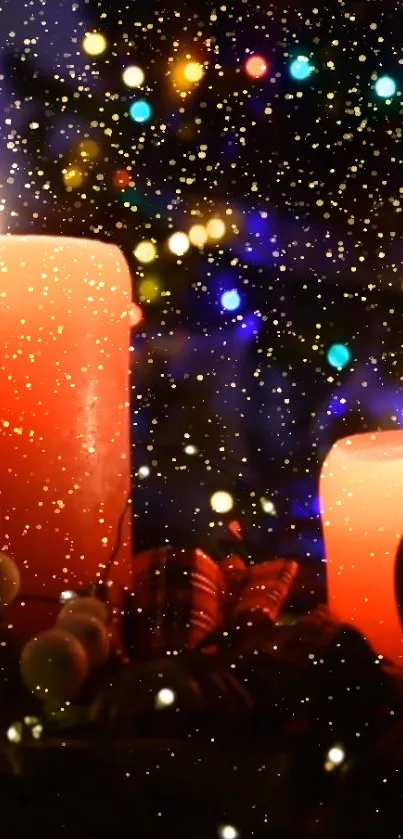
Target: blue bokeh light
140 110
258 224
338 355
338 407
231 300
385 87
300 68
308 509
248 328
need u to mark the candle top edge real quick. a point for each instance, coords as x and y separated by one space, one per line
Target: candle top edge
380 445
57 240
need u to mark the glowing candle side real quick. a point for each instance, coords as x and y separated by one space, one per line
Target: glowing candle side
361 491
64 409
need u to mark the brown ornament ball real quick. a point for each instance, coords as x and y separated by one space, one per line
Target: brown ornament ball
54 665
9 579
91 633
86 606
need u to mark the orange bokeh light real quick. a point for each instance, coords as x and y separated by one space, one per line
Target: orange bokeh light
256 66
136 315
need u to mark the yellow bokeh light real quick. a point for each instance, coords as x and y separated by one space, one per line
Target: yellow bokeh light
133 76
178 243
268 506
193 71
145 252
73 177
228 831
149 289
198 235
215 228
89 149
186 74
221 502
335 757
94 43
165 697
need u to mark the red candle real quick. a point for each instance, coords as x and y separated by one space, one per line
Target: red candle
64 411
361 489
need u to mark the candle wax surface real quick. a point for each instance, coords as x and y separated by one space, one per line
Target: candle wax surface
64 410
361 491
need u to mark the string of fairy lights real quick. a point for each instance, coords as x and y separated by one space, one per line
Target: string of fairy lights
189 72
185 74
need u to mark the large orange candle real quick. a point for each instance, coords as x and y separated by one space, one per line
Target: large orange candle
64 410
361 489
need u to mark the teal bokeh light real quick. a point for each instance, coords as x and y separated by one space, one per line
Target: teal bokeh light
338 355
140 110
231 300
385 87
300 68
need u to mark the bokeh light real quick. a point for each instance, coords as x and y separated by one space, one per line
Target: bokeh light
145 252
215 228
133 76
256 66
94 43
300 68
121 178
338 355
336 754
221 502
89 149
198 235
165 698
186 74
140 110
67 595
150 289
15 732
178 243
385 87
268 506
231 300
190 449
73 177
193 71
334 758
136 315
144 472
228 831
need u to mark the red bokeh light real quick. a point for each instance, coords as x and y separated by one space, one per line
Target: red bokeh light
121 179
